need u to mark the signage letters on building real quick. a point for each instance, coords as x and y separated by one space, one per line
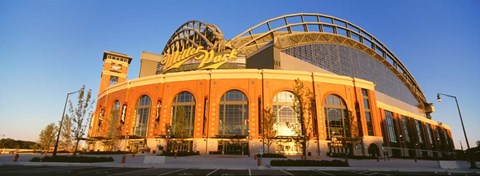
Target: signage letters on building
209 59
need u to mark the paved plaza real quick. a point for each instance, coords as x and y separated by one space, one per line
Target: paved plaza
14 170
221 165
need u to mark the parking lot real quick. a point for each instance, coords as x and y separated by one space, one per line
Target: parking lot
14 170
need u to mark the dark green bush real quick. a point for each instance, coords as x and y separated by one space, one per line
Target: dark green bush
105 152
334 163
78 159
180 154
215 152
35 159
271 155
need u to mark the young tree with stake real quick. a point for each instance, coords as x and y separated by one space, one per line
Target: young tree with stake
79 114
302 107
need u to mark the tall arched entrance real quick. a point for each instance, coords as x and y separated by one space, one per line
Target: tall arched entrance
373 150
287 123
233 129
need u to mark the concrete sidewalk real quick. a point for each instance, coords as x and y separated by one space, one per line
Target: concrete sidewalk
244 162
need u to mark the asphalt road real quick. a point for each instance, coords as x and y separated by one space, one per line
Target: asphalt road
15 170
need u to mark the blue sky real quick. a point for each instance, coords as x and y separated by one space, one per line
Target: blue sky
49 48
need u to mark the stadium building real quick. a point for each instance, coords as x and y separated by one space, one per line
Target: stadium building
297 84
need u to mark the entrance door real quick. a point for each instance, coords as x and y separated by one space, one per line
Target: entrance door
338 149
233 148
373 150
288 148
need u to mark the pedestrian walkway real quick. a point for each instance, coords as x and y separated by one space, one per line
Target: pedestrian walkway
245 162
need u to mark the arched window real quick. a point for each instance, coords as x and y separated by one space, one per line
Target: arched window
141 116
336 117
287 119
114 118
233 114
183 112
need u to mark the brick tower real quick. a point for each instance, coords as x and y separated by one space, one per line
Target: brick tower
115 69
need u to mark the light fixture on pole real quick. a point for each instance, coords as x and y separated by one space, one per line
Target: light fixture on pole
473 165
401 145
61 123
126 140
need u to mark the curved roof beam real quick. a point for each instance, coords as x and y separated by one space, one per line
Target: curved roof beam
184 41
197 29
191 35
312 22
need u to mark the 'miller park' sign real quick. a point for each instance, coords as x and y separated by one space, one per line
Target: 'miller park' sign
208 59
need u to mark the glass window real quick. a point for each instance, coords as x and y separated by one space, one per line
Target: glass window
406 135
336 117
183 112
346 61
390 127
446 137
429 133
438 136
418 128
113 80
366 103
233 114
368 115
284 108
114 119
142 114
368 118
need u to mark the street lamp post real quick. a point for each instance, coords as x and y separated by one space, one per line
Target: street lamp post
126 141
473 165
438 151
167 138
401 145
415 153
248 142
438 148
61 123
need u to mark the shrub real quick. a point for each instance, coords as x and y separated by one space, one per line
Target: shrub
105 152
35 159
335 163
78 159
271 155
215 152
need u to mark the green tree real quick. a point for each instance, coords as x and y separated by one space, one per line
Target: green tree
114 129
353 127
180 129
47 136
79 114
478 143
9 143
303 108
66 133
16 144
269 130
26 144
